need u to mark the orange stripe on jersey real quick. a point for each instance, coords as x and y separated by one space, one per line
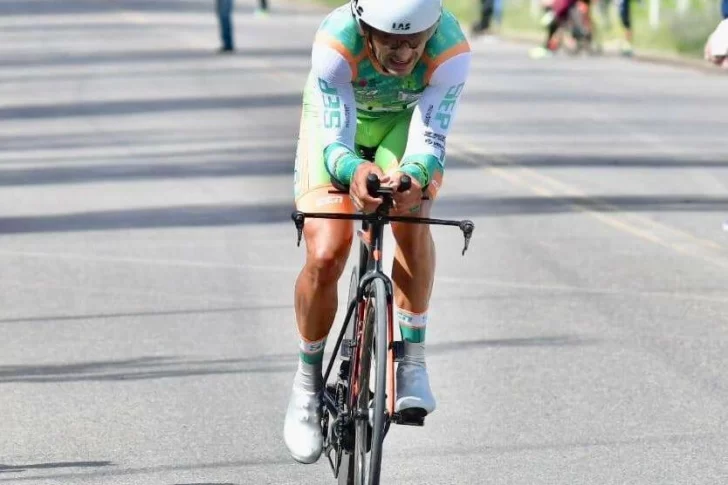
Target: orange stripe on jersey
433 64
327 39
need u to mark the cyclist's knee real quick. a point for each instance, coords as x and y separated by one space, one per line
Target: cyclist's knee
412 238
327 248
410 235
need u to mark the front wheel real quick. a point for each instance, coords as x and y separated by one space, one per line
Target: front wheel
370 407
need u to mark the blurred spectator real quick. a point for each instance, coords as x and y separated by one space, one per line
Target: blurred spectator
224 10
604 13
626 18
498 6
262 9
556 14
489 10
716 48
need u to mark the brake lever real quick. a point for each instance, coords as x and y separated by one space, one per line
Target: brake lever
298 218
467 227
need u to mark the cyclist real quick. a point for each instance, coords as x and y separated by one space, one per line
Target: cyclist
381 96
555 16
626 19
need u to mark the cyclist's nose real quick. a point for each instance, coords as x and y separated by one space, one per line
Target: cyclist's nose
404 53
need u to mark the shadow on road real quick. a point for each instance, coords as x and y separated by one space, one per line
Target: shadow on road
154 218
227 163
275 213
142 368
502 206
580 97
139 142
55 7
46 466
599 161
282 460
158 56
136 315
207 483
159 367
544 341
156 106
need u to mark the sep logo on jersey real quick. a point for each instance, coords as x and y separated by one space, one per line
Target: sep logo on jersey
401 26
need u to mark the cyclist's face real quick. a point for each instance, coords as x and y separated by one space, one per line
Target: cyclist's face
399 53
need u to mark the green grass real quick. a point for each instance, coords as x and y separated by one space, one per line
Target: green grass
682 35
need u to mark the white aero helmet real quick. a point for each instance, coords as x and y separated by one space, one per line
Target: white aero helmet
397 16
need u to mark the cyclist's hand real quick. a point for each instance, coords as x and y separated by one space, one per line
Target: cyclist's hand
404 201
358 188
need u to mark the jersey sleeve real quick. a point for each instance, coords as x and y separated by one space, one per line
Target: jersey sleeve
432 119
335 103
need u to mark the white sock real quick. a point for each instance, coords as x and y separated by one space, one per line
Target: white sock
310 363
412 327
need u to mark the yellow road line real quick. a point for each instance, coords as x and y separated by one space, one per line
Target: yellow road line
520 176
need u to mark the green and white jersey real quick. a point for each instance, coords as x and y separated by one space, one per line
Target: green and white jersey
350 92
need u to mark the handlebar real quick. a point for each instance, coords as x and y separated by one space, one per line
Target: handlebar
381 216
466 226
375 189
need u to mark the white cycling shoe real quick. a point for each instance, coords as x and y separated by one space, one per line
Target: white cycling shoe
413 388
302 427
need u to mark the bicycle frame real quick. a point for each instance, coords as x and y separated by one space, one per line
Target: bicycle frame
370 268
371 236
337 399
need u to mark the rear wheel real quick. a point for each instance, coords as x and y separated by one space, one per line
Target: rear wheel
346 462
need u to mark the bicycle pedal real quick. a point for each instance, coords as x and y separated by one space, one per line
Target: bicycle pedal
410 417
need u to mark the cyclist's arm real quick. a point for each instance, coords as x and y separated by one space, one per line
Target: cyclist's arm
334 98
432 119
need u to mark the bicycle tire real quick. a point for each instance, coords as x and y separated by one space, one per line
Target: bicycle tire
381 341
369 433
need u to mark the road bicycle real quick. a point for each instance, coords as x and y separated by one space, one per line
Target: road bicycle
358 405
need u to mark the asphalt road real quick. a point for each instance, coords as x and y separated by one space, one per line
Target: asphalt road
147 260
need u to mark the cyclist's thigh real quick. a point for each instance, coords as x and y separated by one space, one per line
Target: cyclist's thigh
312 182
392 149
